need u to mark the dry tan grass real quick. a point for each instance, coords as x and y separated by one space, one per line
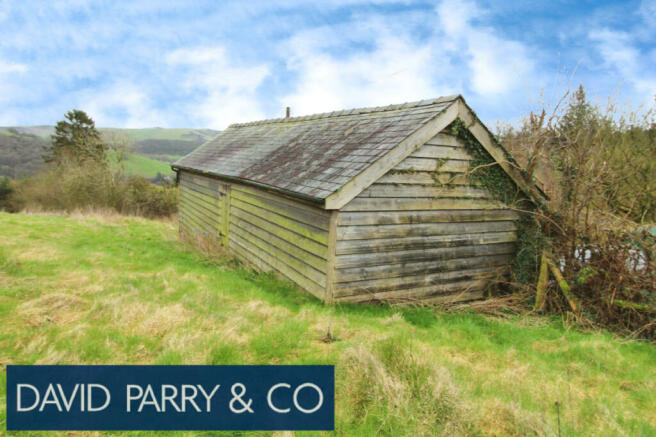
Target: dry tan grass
43 253
409 385
264 312
57 308
145 318
393 319
506 418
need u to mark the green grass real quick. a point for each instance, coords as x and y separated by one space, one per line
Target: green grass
140 165
109 289
5 132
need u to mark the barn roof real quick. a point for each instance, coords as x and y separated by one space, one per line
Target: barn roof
319 156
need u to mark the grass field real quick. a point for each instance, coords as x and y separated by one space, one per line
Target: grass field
108 289
140 165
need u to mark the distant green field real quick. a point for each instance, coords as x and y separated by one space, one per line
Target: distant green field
4 132
142 166
165 157
135 135
156 133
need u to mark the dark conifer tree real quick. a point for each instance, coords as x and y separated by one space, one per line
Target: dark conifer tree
76 140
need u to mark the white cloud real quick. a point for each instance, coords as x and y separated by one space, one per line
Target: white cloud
619 52
397 69
648 12
227 91
496 65
392 63
9 75
121 104
6 67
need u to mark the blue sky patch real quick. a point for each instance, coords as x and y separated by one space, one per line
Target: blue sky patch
209 64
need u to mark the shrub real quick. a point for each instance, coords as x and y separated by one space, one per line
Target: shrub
601 167
142 197
93 186
6 189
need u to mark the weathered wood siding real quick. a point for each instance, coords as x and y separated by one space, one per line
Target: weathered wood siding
202 205
422 231
273 232
263 229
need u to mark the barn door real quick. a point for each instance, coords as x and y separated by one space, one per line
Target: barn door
224 212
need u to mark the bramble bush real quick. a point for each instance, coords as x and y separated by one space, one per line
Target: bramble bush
599 169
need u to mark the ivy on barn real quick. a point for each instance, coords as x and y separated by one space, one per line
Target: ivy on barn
484 171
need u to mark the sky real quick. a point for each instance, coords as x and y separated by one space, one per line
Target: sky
207 64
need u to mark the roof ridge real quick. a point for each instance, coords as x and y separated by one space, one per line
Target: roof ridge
394 107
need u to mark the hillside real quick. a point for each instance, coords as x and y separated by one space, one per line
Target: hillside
110 289
21 154
21 148
134 164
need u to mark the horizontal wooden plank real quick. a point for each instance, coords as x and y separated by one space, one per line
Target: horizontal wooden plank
423 178
418 268
209 199
212 210
422 203
249 253
211 183
198 226
212 213
372 232
443 139
188 224
277 252
462 192
311 246
428 164
279 198
409 282
407 256
446 293
305 230
406 217
315 218
200 220
417 164
346 247
201 189
441 152
445 178
193 205
204 181
318 263
251 259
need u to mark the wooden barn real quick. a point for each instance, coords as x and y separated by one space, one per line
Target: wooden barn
356 205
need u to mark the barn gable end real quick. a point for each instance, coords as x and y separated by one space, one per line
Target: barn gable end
357 205
423 231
